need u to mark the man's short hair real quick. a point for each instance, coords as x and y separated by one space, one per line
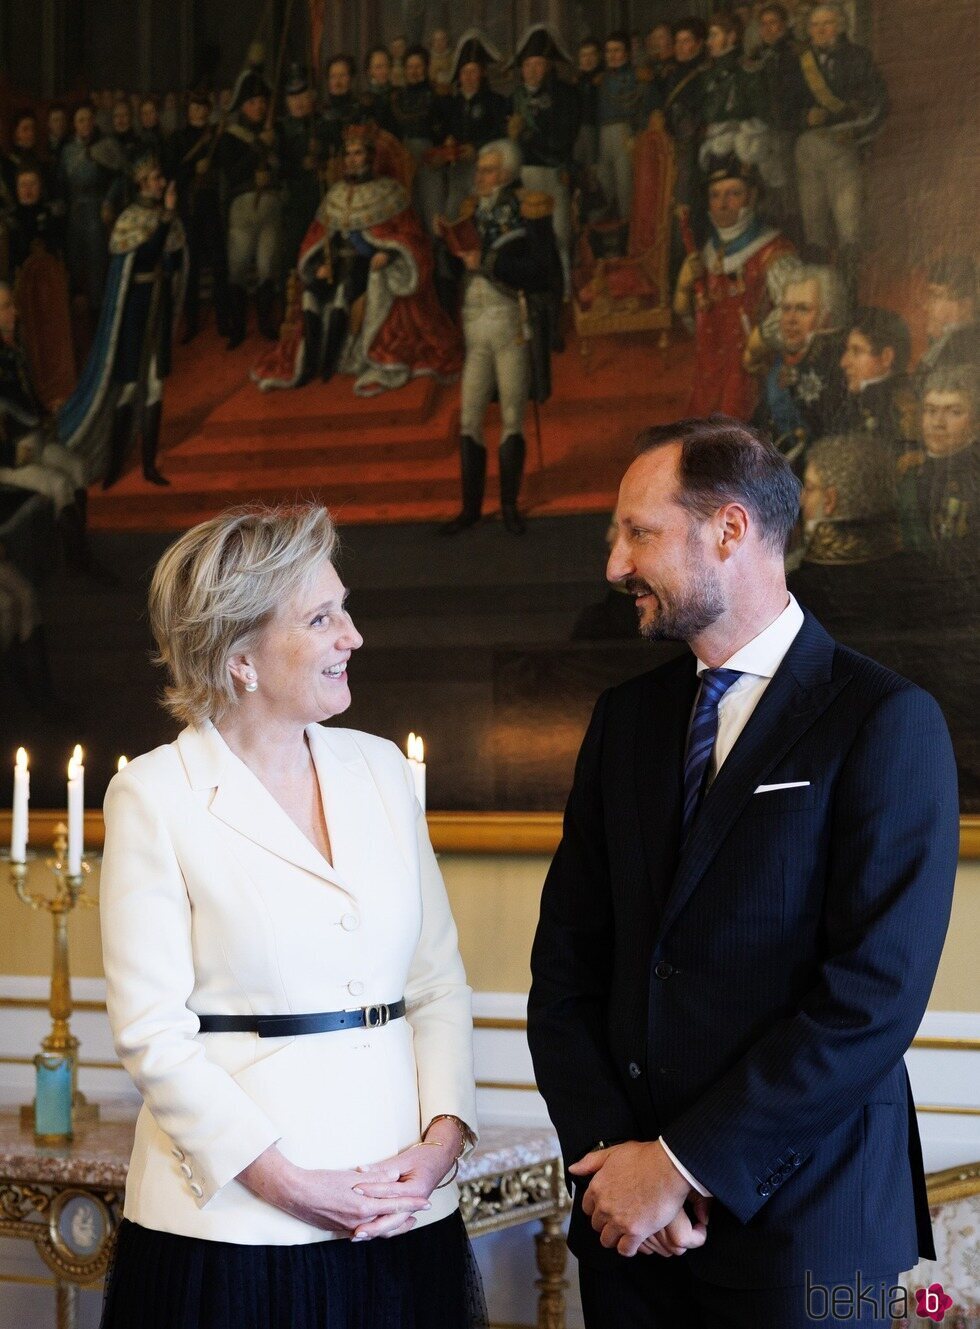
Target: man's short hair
346 60
964 379
621 36
730 23
508 152
695 26
724 460
835 8
883 327
833 292
417 49
781 12
958 273
862 471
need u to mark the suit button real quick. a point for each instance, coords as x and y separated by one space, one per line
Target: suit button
663 969
349 922
765 1190
178 1154
355 987
634 1071
186 1171
196 1189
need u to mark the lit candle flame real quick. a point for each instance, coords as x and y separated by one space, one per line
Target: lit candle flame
21 762
415 748
122 763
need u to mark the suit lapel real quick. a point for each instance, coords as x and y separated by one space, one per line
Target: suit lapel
242 802
661 734
801 689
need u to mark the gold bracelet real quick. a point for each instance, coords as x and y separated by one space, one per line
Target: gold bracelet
464 1130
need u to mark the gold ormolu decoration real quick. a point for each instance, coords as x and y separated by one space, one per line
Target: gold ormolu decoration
69 894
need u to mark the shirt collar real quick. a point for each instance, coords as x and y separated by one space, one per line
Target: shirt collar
763 655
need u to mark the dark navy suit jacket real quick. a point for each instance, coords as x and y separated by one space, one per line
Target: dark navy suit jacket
751 994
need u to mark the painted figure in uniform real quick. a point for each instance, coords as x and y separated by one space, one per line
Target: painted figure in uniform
879 399
659 47
951 315
722 294
248 163
623 104
511 272
841 103
418 117
376 98
948 479
683 100
341 107
544 125
302 153
473 116
120 392
369 303
84 185
199 199
804 387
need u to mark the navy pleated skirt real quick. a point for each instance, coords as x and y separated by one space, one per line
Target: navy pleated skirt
424 1279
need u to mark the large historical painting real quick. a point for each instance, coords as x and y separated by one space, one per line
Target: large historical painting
436 265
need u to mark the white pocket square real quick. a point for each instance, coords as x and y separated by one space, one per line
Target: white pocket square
791 784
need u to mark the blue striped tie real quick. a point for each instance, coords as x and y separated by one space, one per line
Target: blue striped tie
701 740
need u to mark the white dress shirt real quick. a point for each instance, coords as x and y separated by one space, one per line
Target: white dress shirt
756 661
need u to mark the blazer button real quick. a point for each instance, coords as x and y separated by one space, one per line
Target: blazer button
178 1154
355 987
186 1171
634 1071
349 922
196 1189
765 1190
663 969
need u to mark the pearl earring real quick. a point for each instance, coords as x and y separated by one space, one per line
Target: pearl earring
251 683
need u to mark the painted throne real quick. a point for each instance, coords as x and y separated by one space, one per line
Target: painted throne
632 293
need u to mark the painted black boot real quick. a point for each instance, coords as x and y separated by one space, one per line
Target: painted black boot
151 440
237 312
119 440
334 336
473 469
512 452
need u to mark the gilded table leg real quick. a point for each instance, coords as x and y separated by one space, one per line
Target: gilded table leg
67 1304
552 1254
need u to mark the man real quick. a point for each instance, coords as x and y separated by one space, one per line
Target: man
29 457
119 151
194 149
850 512
544 124
741 927
132 351
510 272
951 315
948 480
732 91
804 388
841 103
302 149
417 111
23 151
683 100
32 219
779 73
659 47
586 150
376 99
84 184
341 107
721 292
366 253
151 134
879 399
473 116
440 61
57 132
247 160
623 106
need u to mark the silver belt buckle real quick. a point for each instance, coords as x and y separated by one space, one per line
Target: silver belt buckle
376 1017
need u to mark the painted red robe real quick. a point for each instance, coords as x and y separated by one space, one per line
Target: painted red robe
730 300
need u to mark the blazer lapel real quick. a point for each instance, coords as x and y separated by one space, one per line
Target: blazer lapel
351 803
241 801
661 734
800 690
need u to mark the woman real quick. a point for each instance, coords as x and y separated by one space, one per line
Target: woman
283 978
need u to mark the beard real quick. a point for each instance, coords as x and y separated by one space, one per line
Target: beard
684 615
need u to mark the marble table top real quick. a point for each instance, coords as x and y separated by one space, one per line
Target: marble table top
99 1153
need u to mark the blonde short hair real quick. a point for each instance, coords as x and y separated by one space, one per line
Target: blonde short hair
218 586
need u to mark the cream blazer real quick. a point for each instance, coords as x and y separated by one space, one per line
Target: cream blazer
214 902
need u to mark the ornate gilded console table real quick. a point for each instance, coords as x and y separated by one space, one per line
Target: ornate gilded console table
69 1201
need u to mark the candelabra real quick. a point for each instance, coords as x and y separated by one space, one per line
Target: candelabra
69 893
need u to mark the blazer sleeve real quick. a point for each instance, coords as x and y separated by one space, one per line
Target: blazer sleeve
438 998
149 969
571 972
892 848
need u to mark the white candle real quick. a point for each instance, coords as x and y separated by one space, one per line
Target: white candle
76 812
122 763
416 759
22 794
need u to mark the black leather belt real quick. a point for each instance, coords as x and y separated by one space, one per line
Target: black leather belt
320 1022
